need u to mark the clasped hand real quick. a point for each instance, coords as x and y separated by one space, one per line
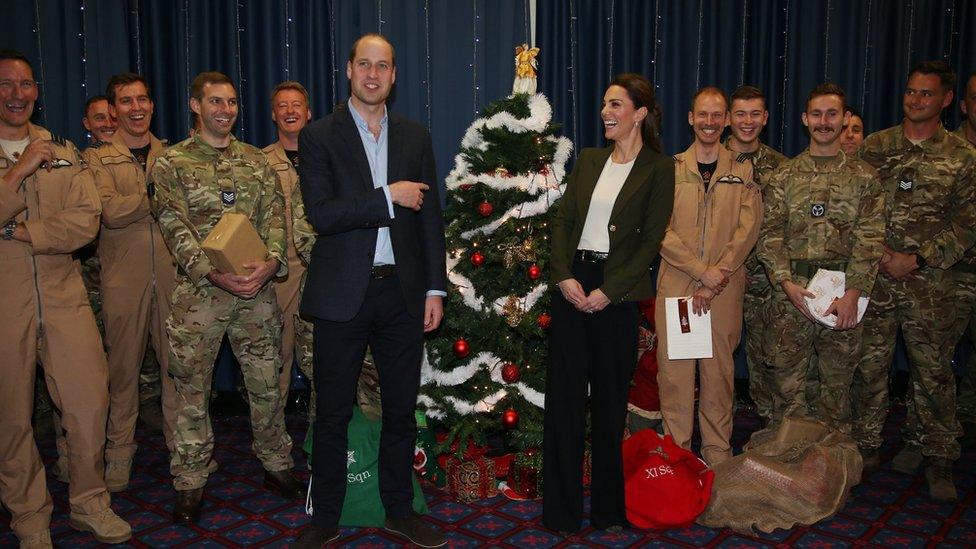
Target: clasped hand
715 278
896 265
593 302
246 286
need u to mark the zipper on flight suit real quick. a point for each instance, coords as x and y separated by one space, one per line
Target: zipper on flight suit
37 286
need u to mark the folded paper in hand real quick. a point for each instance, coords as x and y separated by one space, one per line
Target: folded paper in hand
827 286
689 335
232 243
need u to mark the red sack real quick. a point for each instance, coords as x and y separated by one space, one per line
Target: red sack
665 485
643 389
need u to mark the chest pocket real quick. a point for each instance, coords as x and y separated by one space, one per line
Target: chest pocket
129 177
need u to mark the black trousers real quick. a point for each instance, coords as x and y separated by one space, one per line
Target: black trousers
599 349
396 340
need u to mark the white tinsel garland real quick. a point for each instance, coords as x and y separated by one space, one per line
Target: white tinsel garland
530 183
461 374
520 211
471 299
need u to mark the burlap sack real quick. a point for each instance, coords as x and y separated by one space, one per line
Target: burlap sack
798 473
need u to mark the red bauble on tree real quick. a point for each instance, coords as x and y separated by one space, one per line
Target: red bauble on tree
510 419
534 271
485 208
543 320
477 259
461 348
510 373
465 186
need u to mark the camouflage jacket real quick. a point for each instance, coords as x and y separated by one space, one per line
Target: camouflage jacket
823 212
764 161
930 193
195 184
968 262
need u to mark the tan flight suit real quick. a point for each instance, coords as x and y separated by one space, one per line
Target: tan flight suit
288 287
138 277
47 320
717 227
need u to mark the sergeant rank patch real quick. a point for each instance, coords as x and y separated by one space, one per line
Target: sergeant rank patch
228 197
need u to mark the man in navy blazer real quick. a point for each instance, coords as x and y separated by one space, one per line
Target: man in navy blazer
377 277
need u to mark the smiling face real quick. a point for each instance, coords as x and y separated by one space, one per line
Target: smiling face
217 111
621 121
99 122
371 72
18 92
749 116
968 103
133 109
290 112
825 119
924 98
852 135
708 118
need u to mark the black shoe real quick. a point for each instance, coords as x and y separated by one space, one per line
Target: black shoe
187 508
314 537
284 484
413 528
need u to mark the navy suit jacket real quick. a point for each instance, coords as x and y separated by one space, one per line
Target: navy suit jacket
346 211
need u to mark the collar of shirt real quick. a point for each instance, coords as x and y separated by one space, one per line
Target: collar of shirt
361 122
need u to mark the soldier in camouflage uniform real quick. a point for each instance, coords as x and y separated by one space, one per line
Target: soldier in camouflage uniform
823 210
929 179
196 182
964 273
749 116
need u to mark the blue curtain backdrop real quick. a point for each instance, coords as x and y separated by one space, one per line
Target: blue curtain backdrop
454 57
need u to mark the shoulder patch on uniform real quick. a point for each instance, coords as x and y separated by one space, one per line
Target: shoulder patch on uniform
58 140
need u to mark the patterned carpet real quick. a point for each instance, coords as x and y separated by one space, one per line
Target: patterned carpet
889 510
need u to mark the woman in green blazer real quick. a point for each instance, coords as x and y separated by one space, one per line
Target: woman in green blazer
605 234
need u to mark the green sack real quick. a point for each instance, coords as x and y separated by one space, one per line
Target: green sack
362 506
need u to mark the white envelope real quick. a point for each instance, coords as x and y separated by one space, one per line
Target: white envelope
827 286
696 340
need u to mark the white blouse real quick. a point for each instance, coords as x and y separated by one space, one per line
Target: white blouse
596 236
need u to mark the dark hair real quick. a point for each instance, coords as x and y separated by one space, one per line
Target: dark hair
827 88
92 100
209 77
124 79
352 50
938 68
289 85
854 112
641 93
14 55
709 90
745 93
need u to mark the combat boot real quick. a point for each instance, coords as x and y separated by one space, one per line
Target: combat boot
872 462
938 474
117 474
105 525
38 540
907 460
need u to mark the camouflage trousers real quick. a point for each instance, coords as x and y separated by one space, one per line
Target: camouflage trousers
792 339
303 353
200 318
921 305
964 326
755 308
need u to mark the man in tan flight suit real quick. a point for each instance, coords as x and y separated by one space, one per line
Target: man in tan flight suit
138 272
46 213
714 226
290 112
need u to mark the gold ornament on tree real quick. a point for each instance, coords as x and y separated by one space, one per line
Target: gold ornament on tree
517 253
525 66
513 311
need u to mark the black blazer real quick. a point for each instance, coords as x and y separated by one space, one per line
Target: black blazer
637 222
345 210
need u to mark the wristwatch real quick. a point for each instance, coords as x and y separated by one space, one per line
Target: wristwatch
8 230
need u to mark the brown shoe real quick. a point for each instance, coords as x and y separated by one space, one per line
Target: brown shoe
938 475
416 530
117 474
284 484
37 540
187 507
314 537
105 525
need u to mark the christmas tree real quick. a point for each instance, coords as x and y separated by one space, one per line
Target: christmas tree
485 372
